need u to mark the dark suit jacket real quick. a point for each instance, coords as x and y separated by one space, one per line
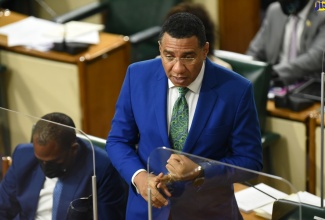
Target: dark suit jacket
19 190
267 43
225 125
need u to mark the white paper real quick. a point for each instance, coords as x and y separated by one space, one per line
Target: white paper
28 32
40 34
250 198
302 197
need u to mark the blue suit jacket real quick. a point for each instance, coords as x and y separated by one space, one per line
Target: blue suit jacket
19 190
225 125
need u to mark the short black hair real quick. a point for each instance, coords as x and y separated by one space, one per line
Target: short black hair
184 25
200 11
46 131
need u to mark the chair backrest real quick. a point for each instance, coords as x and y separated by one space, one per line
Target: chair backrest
259 73
138 19
99 142
131 16
286 210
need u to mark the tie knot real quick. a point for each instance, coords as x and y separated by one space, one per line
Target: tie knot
182 90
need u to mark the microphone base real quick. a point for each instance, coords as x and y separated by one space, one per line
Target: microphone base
70 47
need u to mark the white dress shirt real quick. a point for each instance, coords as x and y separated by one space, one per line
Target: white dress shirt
45 201
191 96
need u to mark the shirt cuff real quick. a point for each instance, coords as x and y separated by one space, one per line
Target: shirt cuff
132 180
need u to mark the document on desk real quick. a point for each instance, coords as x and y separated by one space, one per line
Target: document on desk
254 197
302 197
29 32
40 34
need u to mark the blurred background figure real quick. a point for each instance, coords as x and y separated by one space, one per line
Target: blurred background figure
292 39
264 5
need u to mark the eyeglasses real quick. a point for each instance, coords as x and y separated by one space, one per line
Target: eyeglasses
183 60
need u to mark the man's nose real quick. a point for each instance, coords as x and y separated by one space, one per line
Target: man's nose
178 67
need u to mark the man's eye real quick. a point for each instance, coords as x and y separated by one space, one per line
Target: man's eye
170 58
187 59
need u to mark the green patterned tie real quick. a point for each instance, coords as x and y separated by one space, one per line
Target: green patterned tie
179 122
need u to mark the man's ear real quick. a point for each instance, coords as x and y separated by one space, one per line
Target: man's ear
206 48
74 147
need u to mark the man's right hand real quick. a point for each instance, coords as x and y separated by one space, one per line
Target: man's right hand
142 181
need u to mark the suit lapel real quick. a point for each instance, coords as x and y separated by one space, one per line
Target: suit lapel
76 182
207 100
309 27
161 105
278 36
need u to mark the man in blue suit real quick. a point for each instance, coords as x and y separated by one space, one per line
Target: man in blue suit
58 156
222 119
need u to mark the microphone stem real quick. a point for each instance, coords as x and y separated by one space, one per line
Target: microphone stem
322 143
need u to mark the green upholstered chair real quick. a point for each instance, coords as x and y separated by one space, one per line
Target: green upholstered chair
99 142
140 20
287 210
259 74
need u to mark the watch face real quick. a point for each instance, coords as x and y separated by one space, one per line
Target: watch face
198 181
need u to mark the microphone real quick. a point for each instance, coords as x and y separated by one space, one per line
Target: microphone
85 137
68 47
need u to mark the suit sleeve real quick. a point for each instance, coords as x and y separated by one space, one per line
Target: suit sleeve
111 192
124 135
9 206
245 140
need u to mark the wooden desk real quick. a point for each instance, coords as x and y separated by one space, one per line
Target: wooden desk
315 148
294 154
84 86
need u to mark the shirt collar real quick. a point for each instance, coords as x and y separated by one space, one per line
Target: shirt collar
304 12
196 84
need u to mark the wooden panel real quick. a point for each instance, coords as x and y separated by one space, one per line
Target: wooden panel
238 23
85 86
103 80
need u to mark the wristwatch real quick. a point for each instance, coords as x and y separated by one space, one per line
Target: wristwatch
199 180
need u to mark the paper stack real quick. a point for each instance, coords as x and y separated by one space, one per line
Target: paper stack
260 198
40 34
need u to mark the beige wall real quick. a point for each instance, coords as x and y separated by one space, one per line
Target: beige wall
212 8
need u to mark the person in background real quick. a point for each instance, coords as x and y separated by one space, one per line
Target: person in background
210 30
292 39
220 120
58 158
264 5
